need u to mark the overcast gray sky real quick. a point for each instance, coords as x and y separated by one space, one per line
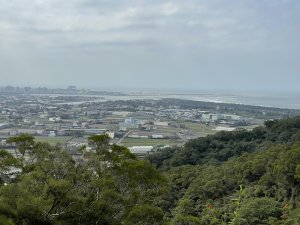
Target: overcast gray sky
186 44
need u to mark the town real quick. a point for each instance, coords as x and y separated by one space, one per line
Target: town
69 116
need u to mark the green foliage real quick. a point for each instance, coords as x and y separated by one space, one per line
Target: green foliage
6 161
6 221
241 178
259 211
145 215
218 148
105 186
187 220
24 142
211 194
236 218
100 143
205 184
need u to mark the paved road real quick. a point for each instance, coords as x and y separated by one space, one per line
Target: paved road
181 136
125 135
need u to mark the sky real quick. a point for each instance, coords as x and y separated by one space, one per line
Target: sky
241 45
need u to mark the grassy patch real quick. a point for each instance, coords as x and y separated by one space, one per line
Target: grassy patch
199 128
53 140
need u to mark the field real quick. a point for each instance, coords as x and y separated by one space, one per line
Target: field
200 129
53 140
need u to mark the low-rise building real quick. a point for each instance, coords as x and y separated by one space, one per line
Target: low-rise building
52 133
138 136
160 123
128 123
42 132
110 134
77 143
13 132
210 117
141 151
3 141
3 125
157 136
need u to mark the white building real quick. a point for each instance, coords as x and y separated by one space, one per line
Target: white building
141 151
26 121
51 119
231 117
3 142
13 132
43 116
3 125
137 136
128 123
77 143
52 133
110 134
159 123
210 117
157 136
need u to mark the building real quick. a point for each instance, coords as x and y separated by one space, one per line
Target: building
37 123
3 141
210 117
129 123
137 136
42 132
91 131
52 133
77 143
141 151
231 117
92 113
160 123
26 121
110 134
3 125
157 136
13 132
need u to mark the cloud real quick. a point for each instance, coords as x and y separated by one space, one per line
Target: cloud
178 23
198 37
169 9
88 21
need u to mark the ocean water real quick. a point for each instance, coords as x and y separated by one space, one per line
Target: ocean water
288 101
256 99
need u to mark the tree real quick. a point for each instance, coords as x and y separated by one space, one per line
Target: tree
259 211
6 161
108 186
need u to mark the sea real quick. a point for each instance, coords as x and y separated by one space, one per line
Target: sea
277 100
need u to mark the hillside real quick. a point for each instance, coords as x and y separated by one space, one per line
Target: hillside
256 188
240 177
224 145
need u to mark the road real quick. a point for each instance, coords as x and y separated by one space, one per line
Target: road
125 135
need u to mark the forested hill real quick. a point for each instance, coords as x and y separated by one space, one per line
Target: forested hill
254 189
224 145
240 178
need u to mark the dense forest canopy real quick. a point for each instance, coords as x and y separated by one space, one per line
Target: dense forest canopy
240 177
260 188
106 186
224 145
